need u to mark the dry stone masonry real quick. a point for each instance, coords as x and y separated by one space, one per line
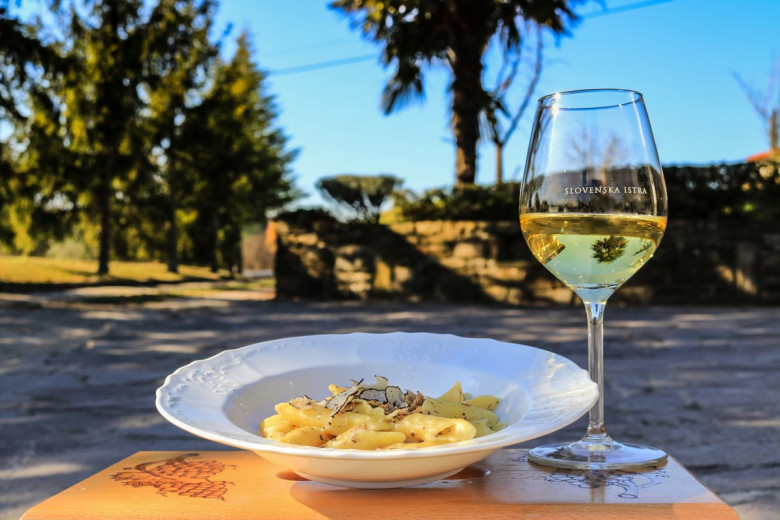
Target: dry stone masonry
458 261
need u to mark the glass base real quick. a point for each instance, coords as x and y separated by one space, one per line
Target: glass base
597 455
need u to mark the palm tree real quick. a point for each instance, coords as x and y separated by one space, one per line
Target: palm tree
454 33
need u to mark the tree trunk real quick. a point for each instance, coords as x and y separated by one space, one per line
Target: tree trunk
173 228
173 236
468 96
499 162
214 241
105 214
239 259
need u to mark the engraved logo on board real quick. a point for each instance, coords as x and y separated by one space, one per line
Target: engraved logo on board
187 478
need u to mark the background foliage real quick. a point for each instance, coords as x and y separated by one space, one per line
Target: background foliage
739 191
361 195
472 202
128 131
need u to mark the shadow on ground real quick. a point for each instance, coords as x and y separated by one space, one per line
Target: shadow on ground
77 379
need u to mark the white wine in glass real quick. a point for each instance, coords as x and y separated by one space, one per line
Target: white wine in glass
593 211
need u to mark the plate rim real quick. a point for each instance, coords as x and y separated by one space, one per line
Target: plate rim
259 444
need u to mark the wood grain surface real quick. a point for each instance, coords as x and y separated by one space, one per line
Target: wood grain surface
241 485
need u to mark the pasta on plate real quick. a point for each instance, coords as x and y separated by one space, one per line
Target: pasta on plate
382 417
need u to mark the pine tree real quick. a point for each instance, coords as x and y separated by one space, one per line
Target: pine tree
239 157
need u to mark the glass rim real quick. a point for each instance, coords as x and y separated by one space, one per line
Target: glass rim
633 97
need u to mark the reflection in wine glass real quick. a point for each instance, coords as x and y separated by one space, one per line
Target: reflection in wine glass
593 210
597 154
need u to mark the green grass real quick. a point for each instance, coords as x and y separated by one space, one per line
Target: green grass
37 270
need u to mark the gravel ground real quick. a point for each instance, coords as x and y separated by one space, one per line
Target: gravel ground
77 379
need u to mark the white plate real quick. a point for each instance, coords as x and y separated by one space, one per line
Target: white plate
224 398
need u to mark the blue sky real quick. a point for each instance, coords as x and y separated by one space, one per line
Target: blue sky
681 54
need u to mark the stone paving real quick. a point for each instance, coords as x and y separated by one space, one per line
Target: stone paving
77 380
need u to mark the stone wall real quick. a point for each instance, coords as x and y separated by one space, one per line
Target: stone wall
698 262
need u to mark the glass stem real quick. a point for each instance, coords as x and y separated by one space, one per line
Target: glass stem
597 432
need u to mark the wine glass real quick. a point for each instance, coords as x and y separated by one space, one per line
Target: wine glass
593 210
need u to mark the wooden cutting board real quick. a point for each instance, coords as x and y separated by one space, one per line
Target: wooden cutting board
241 485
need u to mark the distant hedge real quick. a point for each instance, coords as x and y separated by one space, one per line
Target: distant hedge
732 192
470 202
739 191
713 192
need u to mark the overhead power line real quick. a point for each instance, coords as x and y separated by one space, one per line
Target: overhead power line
323 64
624 8
307 48
365 57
